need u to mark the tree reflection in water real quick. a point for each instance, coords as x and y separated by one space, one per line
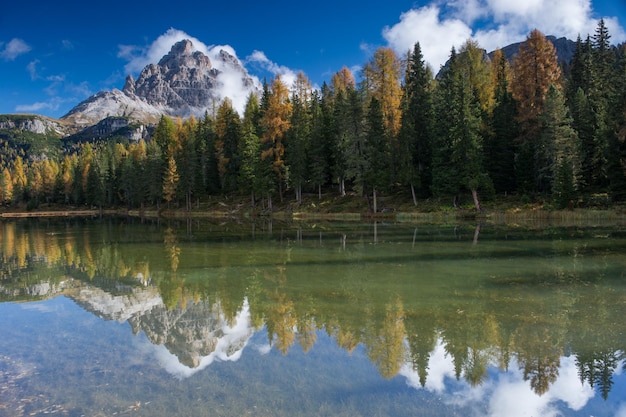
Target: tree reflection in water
523 297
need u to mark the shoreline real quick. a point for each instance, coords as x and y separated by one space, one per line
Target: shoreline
514 216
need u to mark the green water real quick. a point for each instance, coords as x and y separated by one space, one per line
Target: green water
122 317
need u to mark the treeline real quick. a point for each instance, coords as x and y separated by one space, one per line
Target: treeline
532 126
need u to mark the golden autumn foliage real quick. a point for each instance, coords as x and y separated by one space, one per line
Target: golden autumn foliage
276 123
383 74
343 80
535 69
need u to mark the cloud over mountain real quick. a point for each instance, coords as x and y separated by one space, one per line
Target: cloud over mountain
492 23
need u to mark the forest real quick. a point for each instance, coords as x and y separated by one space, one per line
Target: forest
533 127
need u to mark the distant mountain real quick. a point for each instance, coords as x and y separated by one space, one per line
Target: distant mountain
564 49
185 82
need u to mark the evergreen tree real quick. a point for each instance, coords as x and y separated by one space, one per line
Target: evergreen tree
558 151
154 172
343 125
207 156
444 179
298 135
187 161
415 136
377 159
461 167
164 135
350 138
500 144
95 190
583 124
250 149
582 68
228 135
320 155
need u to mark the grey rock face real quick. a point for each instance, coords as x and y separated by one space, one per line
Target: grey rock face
184 80
183 83
35 124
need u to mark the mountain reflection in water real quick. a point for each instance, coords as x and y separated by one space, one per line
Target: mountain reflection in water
502 321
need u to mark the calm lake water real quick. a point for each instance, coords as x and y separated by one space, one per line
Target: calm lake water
118 317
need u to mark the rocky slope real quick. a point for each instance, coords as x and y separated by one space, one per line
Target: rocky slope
183 83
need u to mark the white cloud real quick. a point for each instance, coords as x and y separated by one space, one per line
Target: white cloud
13 49
287 75
436 36
67 45
50 105
32 69
439 28
231 83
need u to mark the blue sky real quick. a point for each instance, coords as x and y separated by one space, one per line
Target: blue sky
53 55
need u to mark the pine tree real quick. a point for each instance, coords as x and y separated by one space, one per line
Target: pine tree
415 135
459 163
535 69
228 131
383 74
170 180
350 138
558 151
6 186
299 134
20 181
320 155
164 135
376 152
444 179
154 172
208 169
500 143
276 123
583 124
343 80
188 162
250 150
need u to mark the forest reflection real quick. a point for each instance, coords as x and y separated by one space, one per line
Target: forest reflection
523 297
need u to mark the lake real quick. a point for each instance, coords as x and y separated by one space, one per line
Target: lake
109 317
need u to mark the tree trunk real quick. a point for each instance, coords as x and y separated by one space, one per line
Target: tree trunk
476 202
342 187
252 199
476 233
375 203
319 192
413 195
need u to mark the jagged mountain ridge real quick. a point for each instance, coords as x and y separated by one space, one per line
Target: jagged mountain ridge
183 83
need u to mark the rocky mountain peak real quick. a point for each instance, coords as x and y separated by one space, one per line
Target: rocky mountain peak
182 55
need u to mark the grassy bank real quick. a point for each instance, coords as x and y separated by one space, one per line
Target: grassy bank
398 208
